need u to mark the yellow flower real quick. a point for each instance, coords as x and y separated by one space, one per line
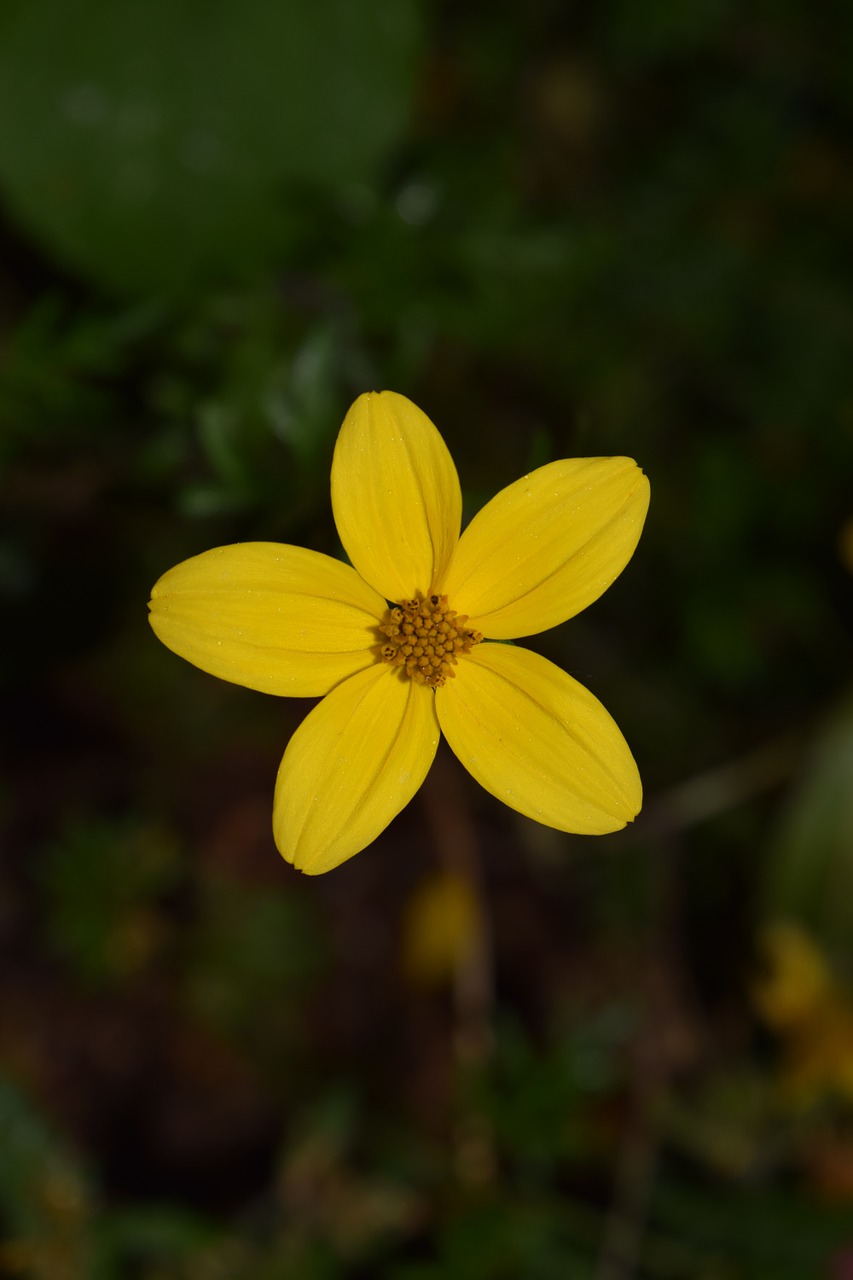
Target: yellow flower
395 676
801 998
796 983
442 928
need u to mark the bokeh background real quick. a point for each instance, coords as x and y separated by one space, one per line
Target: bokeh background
481 1048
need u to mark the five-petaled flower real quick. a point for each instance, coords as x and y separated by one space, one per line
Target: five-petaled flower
397 640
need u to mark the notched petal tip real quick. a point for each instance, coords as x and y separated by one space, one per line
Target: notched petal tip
269 616
548 545
539 741
352 765
395 495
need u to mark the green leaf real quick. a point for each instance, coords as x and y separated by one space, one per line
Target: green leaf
810 868
154 144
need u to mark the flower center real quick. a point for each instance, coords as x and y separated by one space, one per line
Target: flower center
425 638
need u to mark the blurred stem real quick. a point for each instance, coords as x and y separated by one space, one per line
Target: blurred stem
700 798
625 1226
455 841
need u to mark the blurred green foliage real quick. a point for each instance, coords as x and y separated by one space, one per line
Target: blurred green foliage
810 871
102 884
156 146
562 231
253 949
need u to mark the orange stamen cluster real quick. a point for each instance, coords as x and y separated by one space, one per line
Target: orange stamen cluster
425 638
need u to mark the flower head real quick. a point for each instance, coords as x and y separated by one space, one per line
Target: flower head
396 642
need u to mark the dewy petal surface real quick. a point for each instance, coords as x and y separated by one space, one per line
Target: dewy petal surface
352 765
547 546
395 495
539 741
276 618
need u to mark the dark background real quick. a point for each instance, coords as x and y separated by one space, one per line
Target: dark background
481 1048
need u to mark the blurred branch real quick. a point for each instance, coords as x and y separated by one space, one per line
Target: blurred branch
718 790
624 1228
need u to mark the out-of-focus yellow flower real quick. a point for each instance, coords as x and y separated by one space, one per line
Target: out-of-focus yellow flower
799 996
290 621
442 925
795 983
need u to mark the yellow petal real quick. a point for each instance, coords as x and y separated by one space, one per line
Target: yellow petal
547 546
539 741
395 495
351 766
273 617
